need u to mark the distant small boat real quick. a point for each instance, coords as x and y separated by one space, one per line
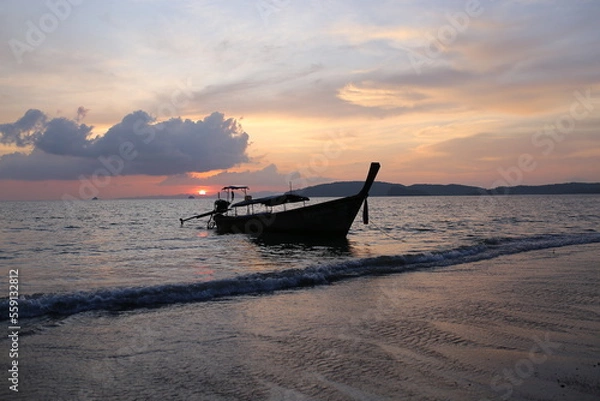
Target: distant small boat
191 197
95 198
332 218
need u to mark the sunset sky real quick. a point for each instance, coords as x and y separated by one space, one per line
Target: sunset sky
146 97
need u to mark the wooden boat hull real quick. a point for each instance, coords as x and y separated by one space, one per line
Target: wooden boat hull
331 219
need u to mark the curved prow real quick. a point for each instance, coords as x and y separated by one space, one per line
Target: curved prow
373 170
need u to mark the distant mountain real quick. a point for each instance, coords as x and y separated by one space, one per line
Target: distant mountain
445 190
345 188
568 188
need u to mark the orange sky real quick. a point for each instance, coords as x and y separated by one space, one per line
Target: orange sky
476 93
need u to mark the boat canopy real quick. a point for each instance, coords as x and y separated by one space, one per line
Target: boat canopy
234 187
273 200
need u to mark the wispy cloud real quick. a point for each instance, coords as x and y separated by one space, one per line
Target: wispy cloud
269 176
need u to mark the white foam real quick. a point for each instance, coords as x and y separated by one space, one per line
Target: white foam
154 296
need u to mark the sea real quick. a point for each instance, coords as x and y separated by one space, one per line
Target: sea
79 271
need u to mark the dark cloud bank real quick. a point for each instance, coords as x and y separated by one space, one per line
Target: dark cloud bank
65 149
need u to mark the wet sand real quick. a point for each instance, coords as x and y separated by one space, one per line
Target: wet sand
524 326
519 327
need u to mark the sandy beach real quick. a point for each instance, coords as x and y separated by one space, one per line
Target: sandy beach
519 327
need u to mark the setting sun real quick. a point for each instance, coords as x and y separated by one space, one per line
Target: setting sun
201 192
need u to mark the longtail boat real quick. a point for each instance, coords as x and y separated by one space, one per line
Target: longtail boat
331 218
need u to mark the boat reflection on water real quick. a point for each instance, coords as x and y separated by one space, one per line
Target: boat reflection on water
294 244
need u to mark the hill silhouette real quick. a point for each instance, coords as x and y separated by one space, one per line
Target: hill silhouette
346 188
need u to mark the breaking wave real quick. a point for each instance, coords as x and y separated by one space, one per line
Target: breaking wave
117 299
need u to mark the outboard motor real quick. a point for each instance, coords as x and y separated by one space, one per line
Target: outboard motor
221 206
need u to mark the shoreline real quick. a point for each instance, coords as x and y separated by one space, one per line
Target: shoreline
521 326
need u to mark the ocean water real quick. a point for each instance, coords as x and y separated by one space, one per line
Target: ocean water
117 300
124 254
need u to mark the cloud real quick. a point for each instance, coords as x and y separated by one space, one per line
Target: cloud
500 61
39 165
81 113
23 131
385 98
61 136
269 176
63 149
485 157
